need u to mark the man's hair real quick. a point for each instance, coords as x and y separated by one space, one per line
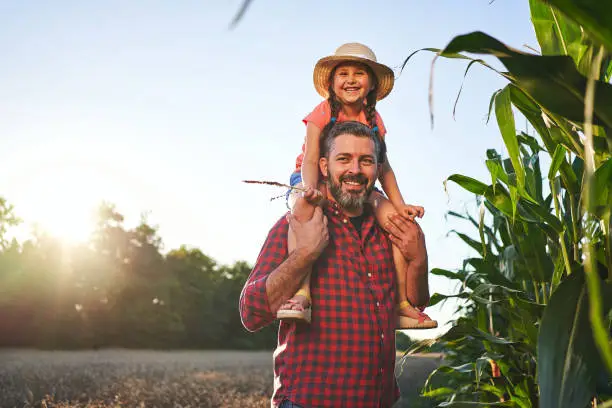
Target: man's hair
333 130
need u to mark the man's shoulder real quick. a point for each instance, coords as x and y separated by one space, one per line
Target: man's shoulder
277 235
281 222
369 214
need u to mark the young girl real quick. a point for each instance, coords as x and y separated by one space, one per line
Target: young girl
352 82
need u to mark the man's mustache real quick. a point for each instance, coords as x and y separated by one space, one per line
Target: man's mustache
354 178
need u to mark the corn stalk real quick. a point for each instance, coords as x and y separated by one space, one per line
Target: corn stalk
527 265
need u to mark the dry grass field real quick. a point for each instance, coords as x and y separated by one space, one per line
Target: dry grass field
165 379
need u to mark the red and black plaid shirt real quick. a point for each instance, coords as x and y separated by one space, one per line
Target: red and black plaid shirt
346 356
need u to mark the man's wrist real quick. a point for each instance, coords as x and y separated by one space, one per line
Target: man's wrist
304 257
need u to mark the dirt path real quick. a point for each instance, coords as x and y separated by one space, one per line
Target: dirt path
412 372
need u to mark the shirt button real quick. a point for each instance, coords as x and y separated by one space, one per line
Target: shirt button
377 304
382 335
369 275
345 220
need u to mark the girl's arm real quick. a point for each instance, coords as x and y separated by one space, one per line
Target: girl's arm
310 165
389 185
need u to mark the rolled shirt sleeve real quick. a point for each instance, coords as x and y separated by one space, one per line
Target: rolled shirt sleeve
255 310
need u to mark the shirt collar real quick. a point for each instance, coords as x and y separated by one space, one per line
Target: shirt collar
333 209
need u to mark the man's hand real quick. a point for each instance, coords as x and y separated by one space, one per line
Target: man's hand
408 237
311 237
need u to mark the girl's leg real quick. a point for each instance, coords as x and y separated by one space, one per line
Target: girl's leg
298 307
409 317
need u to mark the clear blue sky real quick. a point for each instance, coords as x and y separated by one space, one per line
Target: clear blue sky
157 106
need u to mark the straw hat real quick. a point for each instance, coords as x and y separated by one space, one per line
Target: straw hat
358 53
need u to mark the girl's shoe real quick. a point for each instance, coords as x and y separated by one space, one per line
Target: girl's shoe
301 314
413 318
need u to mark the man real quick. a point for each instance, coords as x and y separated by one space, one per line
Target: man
346 356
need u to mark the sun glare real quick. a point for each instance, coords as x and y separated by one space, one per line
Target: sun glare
60 195
58 188
63 204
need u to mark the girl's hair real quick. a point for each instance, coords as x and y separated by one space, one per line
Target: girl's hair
370 108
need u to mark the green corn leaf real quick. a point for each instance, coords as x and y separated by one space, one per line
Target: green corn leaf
507 127
559 35
491 102
488 269
555 33
533 112
601 190
497 391
461 404
544 216
567 356
486 288
462 82
565 133
514 198
465 329
497 173
437 297
552 81
595 16
477 246
460 275
481 228
530 141
557 160
439 392
468 183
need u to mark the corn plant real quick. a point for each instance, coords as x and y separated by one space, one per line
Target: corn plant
536 328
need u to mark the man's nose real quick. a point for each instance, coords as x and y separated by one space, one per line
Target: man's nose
354 166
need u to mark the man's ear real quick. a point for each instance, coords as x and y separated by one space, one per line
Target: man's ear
323 166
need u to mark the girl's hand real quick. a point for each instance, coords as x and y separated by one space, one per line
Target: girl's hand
313 196
409 211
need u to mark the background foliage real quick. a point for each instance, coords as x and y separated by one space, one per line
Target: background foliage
534 329
118 290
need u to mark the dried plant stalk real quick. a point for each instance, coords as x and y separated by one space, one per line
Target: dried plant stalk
273 183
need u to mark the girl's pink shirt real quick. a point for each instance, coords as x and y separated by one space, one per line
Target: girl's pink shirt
321 115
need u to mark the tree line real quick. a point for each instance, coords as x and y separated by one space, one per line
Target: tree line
118 290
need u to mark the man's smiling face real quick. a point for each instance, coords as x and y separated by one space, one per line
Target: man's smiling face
351 170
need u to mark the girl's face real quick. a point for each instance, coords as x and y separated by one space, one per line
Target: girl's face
352 83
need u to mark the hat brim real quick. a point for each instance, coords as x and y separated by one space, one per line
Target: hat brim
326 65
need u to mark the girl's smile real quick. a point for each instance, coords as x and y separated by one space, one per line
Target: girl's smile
352 83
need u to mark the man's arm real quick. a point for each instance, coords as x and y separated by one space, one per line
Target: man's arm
276 277
409 238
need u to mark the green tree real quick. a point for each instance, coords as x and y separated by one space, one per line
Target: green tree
119 290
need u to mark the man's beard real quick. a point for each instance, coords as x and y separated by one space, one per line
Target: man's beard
349 201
